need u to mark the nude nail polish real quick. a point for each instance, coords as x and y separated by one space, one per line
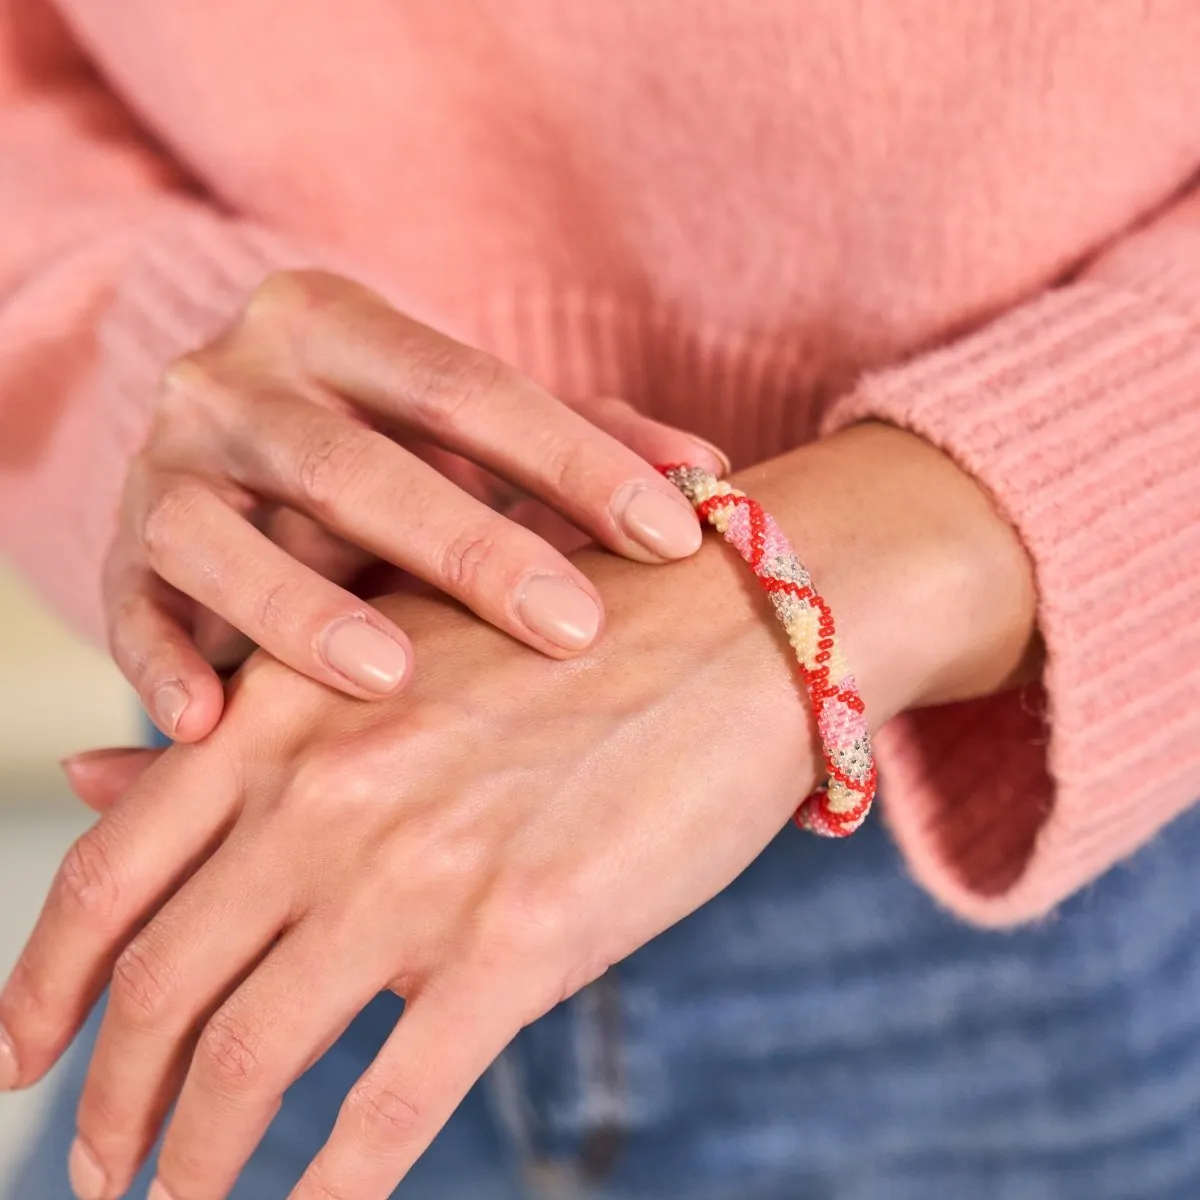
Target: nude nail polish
720 458
559 611
365 655
170 701
88 1180
86 758
663 524
10 1071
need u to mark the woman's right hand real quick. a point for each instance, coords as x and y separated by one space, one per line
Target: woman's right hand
272 476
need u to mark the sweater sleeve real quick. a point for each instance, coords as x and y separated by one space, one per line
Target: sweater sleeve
1080 414
111 265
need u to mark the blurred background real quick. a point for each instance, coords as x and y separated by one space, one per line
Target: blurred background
57 696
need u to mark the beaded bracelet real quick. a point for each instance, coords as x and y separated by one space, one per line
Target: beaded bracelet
839 805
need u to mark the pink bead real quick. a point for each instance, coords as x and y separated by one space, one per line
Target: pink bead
836 702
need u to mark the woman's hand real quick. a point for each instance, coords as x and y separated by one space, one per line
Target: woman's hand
271 478
486 843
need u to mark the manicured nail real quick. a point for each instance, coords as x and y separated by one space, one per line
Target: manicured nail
720 458
664 524
364 654
88 1180
170 700
158 1191
10 1072
559 611
85 758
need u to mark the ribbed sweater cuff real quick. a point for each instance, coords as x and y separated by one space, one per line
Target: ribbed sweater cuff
1080 414
180 280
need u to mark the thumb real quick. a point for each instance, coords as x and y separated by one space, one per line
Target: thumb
101 777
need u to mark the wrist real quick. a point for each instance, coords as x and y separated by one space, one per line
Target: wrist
932 590
705 620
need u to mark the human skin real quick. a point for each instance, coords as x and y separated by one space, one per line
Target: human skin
324 431
533 821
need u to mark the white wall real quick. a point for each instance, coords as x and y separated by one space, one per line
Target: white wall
57 695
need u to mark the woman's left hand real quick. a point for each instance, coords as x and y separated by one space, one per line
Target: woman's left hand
484 845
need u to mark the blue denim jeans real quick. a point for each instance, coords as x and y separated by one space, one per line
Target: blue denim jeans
821 1031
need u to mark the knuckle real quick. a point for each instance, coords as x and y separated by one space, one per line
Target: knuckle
87 880
327 465
327 783
191 396
142 982
184 381
567 466
451 868
458 381
316 1186
309 788
170 513
382 1114
280 297
231 1050
464 558
537 927
273 608
531 920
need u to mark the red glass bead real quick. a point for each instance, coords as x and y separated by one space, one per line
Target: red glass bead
814 813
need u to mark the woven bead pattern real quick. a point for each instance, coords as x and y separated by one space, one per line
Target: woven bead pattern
840 805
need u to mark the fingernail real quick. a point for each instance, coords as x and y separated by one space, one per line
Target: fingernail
664 525
719 456
158 1191
559 611
86 757
170 700
364 654
88 1180
10 1072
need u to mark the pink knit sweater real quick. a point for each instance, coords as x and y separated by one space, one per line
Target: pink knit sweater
758 220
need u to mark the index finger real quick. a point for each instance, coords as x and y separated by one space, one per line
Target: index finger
423 382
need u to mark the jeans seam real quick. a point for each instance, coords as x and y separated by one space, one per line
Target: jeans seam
604 1077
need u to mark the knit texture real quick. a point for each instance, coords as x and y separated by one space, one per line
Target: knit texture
1079 413
757 221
